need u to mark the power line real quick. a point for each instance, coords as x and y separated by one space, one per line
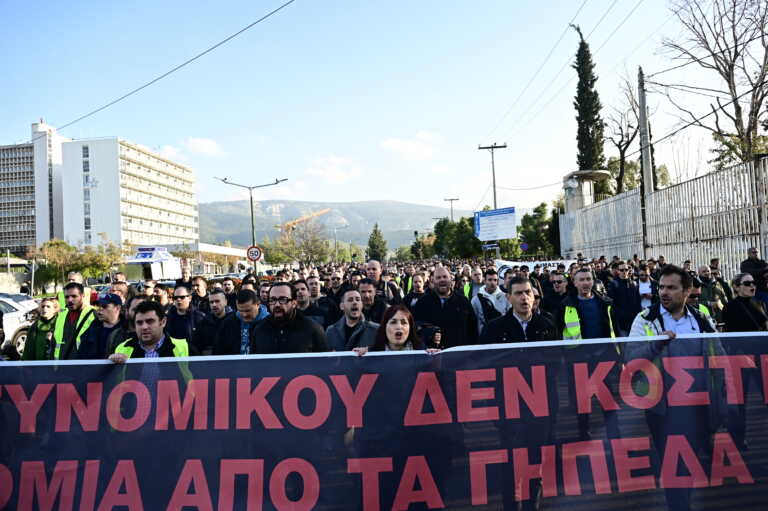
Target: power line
172 70
570 80
482 198
530 188
536 74
697 60
565 65
698 119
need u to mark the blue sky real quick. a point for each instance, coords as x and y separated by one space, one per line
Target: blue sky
348 100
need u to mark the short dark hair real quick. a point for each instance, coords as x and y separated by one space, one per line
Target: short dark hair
695 282
149 306
161 286
217 291
300 281
518 279
227 279
347 290
685 278
318 278
284 284
247 296
197 278
490 271
74 285
583 269
366 281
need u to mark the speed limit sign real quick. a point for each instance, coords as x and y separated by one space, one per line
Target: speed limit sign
254 253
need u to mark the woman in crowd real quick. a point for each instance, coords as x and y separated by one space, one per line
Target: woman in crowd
744 313
39 335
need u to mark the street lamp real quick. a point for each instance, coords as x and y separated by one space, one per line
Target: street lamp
250 191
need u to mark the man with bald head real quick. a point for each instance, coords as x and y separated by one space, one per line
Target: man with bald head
387 290
450 312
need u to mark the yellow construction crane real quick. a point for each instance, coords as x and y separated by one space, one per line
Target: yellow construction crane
290 226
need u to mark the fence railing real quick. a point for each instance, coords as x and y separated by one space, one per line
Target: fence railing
720 214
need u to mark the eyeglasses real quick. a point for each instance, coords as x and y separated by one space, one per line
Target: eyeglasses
181 297
558 282
749 283
282 300
335 278
623 269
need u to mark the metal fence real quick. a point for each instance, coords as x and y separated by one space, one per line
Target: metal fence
720 215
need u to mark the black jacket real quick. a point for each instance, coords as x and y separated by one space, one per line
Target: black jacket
551 302
626 301
298 335
227 340
755 267
389 292
205 335
376 312
744 315
183 327
317 315
573 301
94 343
412 297
508 329
330 307
455 318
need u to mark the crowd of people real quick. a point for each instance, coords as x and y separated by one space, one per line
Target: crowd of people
427 305
348 306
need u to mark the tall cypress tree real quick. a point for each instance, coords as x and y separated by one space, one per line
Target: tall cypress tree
589 135
377 245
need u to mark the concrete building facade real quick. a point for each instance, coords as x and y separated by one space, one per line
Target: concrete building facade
122 192
30 190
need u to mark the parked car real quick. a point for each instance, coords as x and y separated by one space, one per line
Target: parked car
25 301
16 322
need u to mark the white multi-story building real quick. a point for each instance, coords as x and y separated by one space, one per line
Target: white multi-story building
30 190
122 192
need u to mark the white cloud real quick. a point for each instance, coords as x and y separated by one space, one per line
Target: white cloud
170 152
202 145
420 147
334 169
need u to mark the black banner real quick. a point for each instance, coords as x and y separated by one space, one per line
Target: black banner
603 425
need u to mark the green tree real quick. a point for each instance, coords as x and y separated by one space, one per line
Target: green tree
61 256
445 232
631 173
589 134
403 253
377 245
553 231
311 245
464 244
281 251
534 230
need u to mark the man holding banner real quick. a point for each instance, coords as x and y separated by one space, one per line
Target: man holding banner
665 420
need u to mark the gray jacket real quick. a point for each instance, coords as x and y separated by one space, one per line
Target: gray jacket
363 335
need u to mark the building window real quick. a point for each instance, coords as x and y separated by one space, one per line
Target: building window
87 223
85 151
86 166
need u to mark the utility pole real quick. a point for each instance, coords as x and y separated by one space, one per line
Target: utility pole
335 243
492 148
645 143
645 158
451 201
250 190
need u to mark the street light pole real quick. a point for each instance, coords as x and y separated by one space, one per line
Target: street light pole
250 191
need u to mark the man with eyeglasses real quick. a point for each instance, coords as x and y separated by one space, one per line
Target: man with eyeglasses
330 302
625 295
286 330
551 302
183 319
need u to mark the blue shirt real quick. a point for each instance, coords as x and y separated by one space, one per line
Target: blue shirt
245 329
591 318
